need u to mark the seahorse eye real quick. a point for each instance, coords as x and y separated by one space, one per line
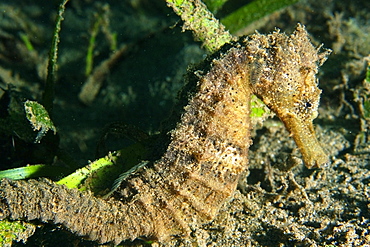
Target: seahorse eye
305 109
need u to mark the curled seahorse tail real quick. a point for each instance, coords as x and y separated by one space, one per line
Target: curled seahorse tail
80 212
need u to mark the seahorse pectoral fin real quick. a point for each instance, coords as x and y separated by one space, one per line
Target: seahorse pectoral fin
305 137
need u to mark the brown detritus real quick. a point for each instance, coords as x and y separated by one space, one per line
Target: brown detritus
94 82
200 169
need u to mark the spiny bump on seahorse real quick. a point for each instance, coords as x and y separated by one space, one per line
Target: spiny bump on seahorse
207 152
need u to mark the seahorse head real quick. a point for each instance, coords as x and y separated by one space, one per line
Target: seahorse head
283 75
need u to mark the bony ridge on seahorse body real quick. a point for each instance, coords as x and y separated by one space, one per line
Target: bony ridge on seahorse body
207 153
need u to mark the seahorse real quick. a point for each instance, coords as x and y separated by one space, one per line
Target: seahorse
207 151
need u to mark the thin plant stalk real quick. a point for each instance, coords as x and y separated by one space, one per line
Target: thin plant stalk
48 95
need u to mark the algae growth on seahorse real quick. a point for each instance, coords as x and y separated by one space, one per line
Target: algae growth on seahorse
207 153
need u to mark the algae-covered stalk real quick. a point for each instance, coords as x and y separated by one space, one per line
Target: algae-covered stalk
211 31
201 22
